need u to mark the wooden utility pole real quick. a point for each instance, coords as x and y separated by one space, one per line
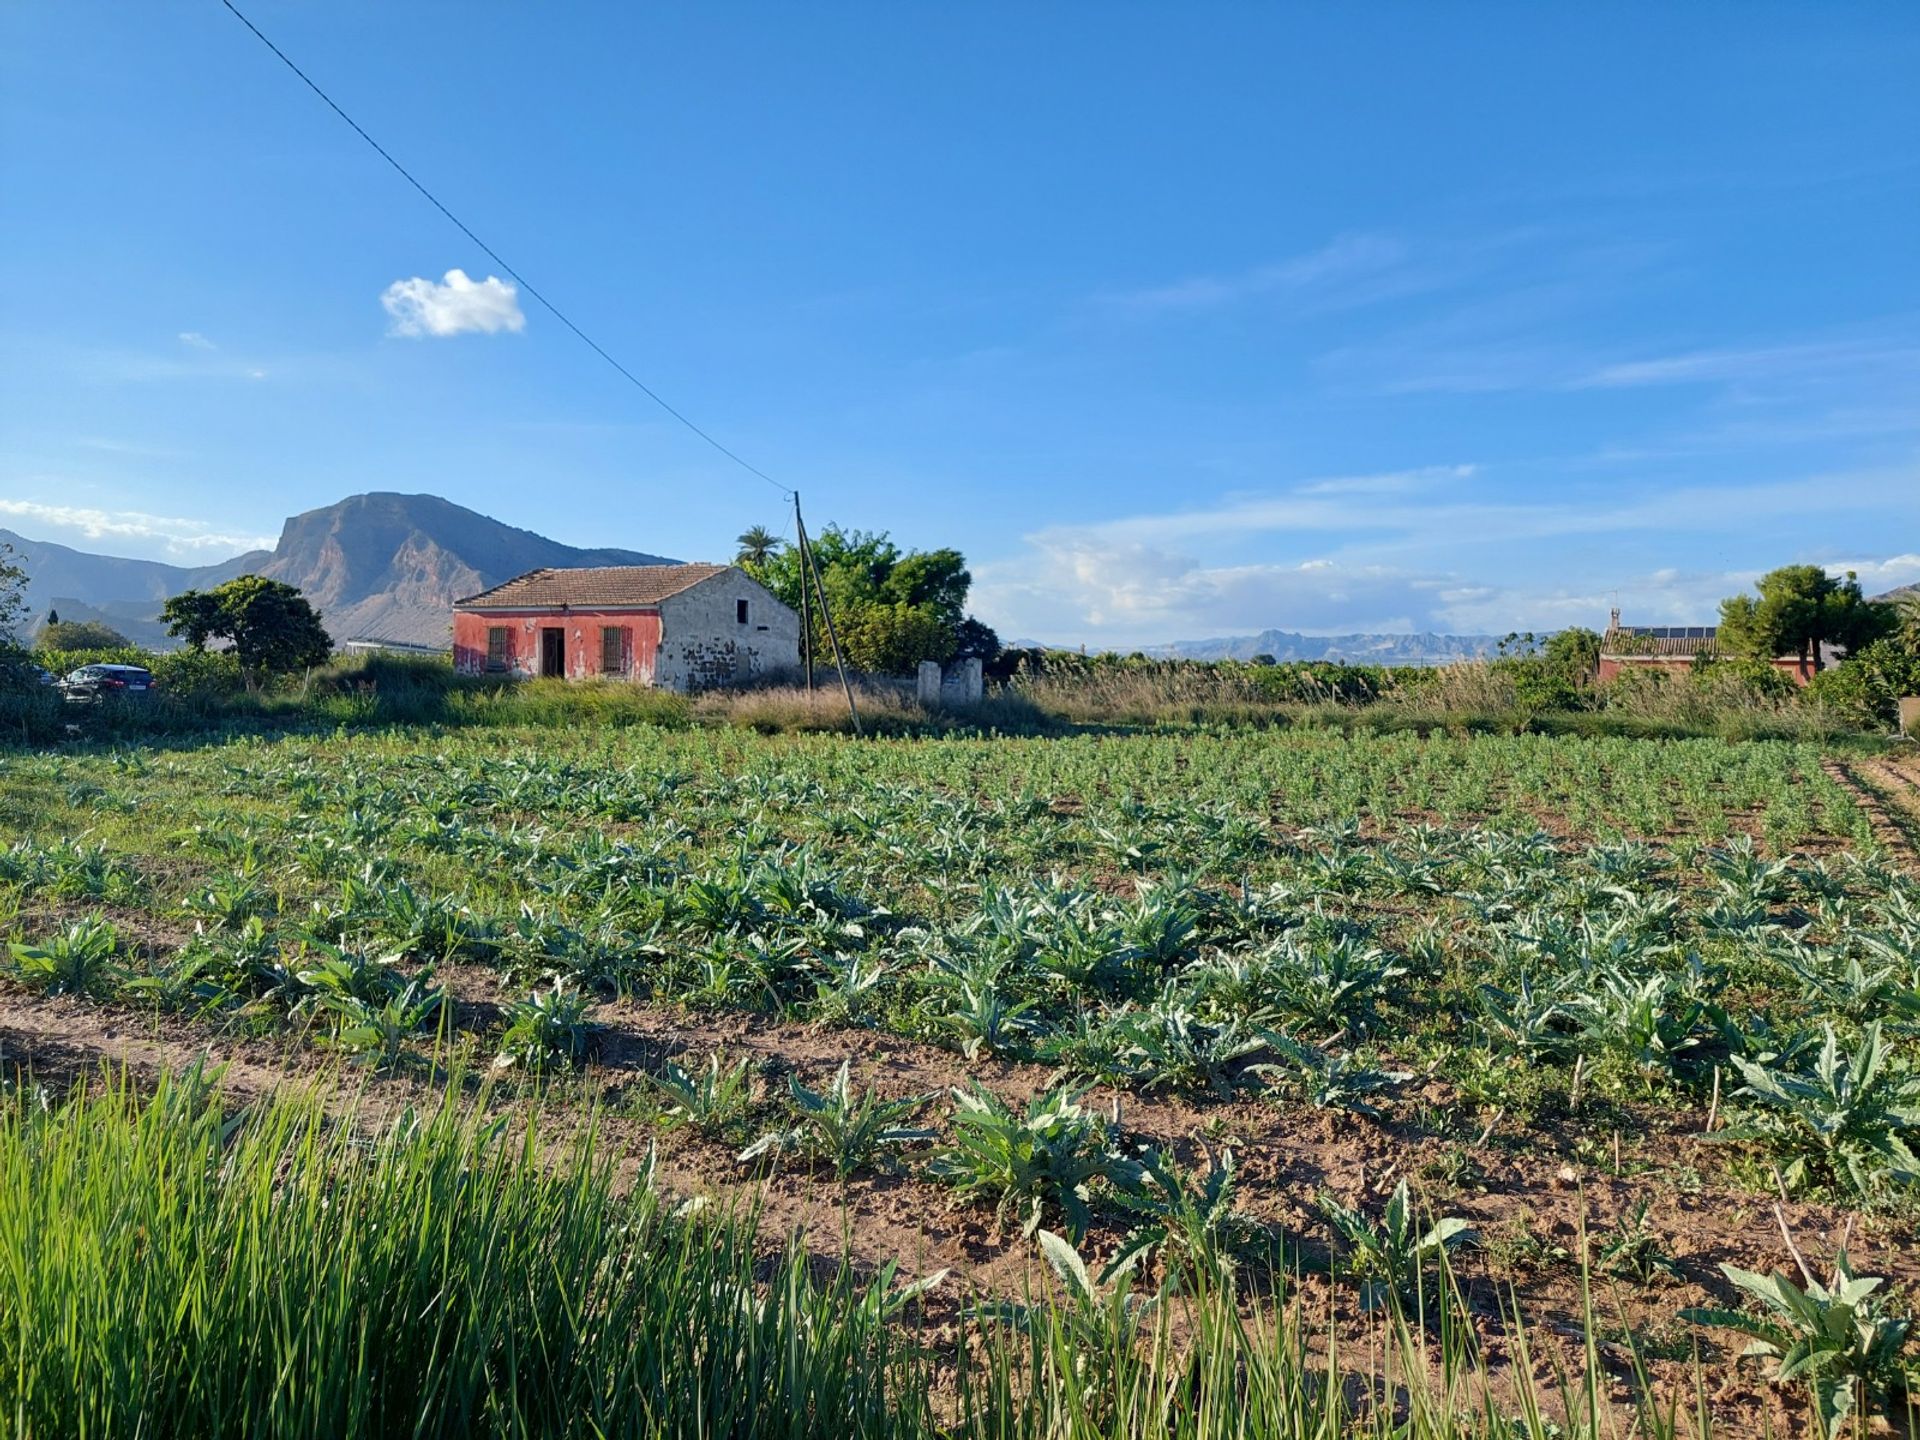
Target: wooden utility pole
806 618
826 612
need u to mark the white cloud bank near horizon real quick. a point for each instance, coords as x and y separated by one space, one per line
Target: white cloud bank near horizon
177 538
1417 551
454 305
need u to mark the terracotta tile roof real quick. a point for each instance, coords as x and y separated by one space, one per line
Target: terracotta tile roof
593 585
1628 641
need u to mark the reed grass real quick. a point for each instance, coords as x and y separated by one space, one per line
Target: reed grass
171 1267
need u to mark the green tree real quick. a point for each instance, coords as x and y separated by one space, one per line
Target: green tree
905 605
757 545
889 639
271 626
1573 653
1865 688
13 595
58 634
1906 610
1798 609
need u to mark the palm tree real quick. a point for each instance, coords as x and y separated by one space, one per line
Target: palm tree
757 546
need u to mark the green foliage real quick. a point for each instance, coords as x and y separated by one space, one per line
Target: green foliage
840 1130
1836 1337
885 639
711 1100
1392 1257
1865 689
441 1272
757 545
1190 1219
381 1030
892 608
1573 653
1843 1118
1049 1159
270 624
549 1028
77 960
1800 607
67 635
1633 1249
13 595
1101 1320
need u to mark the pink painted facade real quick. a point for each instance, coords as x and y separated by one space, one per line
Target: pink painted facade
564 642
1792 666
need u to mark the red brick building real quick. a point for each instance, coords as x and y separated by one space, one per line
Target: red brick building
679 627
1674 649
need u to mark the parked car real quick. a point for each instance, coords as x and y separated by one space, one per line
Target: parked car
96 682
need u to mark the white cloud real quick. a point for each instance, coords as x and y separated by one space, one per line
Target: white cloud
456 305
1420 550
175 535
1354 265
194 340
1814 360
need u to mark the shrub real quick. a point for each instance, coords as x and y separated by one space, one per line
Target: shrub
1050 1157
64 635
1835 1336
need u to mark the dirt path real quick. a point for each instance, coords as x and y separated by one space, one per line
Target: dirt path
1887 788
1530 1208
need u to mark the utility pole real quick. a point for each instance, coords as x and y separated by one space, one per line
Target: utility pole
826 612
806 618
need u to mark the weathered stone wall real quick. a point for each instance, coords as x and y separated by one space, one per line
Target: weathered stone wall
962 682
704 645
959 684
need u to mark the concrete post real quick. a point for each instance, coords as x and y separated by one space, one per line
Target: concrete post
972 686
926 686
1910 715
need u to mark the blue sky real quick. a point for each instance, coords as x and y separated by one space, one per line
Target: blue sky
1179 320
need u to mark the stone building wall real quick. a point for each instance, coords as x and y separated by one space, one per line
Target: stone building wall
703 643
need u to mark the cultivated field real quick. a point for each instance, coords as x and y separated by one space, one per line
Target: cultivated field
1454 1068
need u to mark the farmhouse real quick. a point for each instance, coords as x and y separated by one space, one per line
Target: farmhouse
680 627
1674 648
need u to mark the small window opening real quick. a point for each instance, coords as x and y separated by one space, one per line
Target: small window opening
740 611
613 650
496 647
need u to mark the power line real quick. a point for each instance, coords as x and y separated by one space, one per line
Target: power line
494 255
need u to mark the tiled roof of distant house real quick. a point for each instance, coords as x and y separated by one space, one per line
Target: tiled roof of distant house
590 587
1660 640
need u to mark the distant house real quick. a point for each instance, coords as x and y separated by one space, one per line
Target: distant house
1674 648
679 627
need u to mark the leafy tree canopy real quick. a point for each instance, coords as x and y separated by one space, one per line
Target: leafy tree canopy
270 625
892 607
59 634
1574 653
13 595
1799 608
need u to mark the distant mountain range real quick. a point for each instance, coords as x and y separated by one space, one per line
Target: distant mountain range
377 566
1283 645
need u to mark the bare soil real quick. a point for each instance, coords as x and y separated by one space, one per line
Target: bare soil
1527 1202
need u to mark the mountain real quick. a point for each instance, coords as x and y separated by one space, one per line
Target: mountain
380 566
1894 594
389 567
126 594
1423 649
